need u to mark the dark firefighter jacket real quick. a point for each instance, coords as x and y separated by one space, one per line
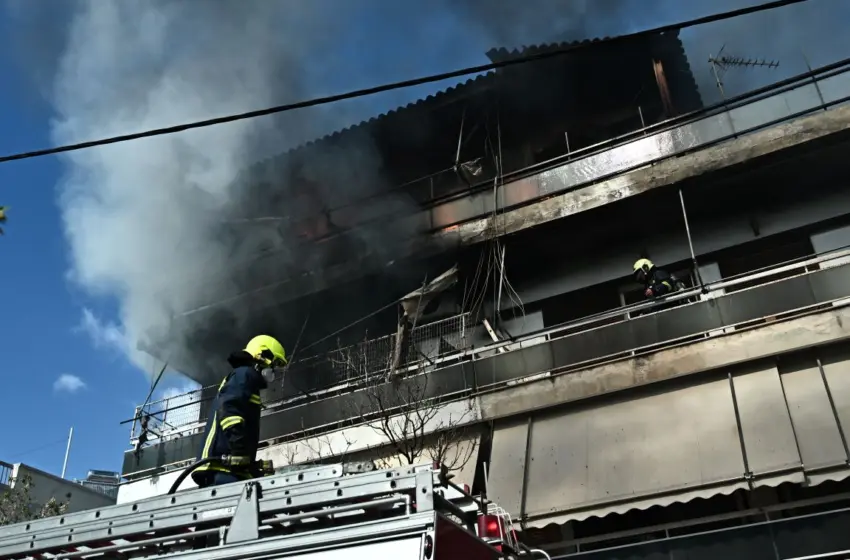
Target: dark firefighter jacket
661 282
233 424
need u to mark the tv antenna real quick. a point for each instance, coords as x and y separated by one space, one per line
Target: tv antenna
721 63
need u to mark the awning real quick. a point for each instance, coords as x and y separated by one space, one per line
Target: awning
756 426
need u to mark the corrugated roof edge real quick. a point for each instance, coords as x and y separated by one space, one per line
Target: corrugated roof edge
495 55
442 95
682 64
502 54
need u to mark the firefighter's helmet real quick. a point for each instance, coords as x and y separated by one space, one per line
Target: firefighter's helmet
641 269
267 350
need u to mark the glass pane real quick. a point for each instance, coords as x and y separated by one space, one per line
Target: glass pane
752 543
648 551
812 535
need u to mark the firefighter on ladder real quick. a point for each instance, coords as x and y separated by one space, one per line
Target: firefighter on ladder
232 432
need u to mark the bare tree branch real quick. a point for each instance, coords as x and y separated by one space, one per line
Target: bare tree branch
408 419
290 455
324 448
454 444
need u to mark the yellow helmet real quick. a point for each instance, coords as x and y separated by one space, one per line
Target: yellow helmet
641 269
266 349
644 264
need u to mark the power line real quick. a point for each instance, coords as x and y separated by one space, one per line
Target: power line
35 449
398 85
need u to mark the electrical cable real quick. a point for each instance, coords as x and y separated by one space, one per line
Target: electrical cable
352 324
398 85
498 246
35 449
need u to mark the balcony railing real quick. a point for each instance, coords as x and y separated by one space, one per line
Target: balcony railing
427 345
106 489
804 536
601 337
783 291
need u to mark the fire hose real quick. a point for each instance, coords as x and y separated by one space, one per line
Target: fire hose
264 467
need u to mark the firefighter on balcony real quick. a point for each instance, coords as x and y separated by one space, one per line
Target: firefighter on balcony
232 432
656 282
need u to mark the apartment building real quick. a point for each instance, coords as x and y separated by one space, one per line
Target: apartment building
45 486
713 421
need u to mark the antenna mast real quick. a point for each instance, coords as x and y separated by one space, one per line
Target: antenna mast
721 63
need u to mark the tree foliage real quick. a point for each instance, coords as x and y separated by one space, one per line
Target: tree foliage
17 504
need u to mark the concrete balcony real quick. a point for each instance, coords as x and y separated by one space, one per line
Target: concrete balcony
607 352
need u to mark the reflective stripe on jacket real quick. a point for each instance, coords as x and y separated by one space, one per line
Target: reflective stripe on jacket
233 424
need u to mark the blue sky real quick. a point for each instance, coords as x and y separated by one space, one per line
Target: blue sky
65 364
44 335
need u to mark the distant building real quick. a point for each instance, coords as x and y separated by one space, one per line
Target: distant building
46 486
105 482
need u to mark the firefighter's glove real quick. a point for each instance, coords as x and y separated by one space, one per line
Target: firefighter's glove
266 468
236 461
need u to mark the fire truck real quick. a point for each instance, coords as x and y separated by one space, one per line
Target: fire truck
328 512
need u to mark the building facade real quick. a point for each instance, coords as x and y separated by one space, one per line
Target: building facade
46 486
710 422
105 482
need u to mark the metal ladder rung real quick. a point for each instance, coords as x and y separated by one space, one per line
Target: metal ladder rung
218 505
207 497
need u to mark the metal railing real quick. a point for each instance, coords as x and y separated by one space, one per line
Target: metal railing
106 489
537 355
427 345
811 91
801 537
437 345
172 416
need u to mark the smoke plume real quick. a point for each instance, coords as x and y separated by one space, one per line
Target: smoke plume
144 219
147 221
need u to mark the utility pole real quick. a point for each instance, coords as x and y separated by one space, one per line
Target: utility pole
67 451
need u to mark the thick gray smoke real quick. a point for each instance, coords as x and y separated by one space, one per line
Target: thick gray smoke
144 219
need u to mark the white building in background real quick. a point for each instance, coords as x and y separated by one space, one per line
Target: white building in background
105 482
46 486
